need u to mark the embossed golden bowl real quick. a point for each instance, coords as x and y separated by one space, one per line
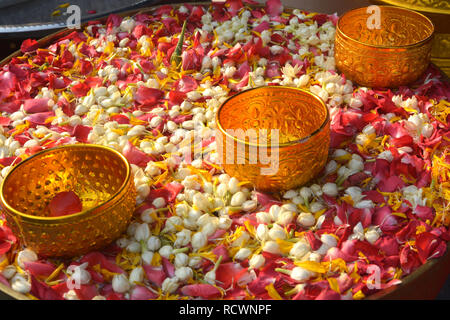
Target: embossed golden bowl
439 12
393 53
100 176
274 137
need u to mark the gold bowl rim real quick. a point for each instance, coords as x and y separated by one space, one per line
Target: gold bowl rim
416 6
40 219
280 145
391 8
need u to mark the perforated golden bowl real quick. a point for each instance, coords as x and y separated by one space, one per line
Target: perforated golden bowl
100 176
393 53
303 124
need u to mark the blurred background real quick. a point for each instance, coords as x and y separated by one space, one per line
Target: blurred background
22 19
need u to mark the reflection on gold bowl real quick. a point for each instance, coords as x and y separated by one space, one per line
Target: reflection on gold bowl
395 54
302 122
100 176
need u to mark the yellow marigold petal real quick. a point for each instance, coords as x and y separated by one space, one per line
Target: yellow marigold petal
334 285
285 246
311 266
359 295
156 261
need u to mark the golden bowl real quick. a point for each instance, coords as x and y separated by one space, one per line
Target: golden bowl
393 53
274 137
100 176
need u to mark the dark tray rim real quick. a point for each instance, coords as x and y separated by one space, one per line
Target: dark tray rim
8 30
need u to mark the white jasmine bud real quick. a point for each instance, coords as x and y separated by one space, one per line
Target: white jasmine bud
289 207
386 155
183 238
147 257
233 185
274 212
166 251
300 274
316 190
285 218
241 240
184 273
142 232
271 247
146 216
181 260
263 217
298 200
372 235
314 256
237 199
356 165
20 284
131 230
159 202
355 193
243 254
306 193
182 209
224 223
201 202
331 167
209 228
134 247
171 224
249 205
195 262
290 194
358 232
330 189
210 276
199 240
170 285
257 261
316 207
153 243
9 271
203 220
120 283
222 190
136 275
329 240
277 232
262 232
299 249
122 242
26 255
306 219
338 153
71 295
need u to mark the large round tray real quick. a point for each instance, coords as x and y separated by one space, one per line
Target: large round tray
424 283
439 12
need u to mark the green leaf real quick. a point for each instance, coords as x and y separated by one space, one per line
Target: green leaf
176 55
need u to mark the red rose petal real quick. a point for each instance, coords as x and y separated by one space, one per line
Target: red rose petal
65 203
